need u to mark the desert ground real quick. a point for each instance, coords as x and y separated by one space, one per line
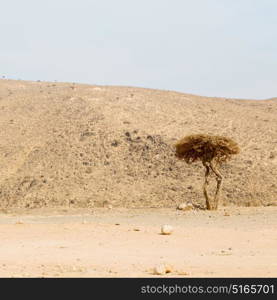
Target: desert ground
88 175
231 242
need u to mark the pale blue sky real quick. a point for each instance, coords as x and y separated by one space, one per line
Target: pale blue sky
219 48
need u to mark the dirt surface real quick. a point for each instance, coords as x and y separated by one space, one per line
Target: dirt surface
74 145
99 242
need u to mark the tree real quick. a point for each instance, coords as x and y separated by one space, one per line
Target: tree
212 151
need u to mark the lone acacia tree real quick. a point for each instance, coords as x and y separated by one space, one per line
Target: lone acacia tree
212 151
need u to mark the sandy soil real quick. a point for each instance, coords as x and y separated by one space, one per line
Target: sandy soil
127 242
87 148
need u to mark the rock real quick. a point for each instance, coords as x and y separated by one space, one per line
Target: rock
19 222
166 229
160 270
107 204
185 206
168 268
182 273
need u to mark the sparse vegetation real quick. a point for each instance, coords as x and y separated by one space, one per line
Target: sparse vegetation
212 151
88 152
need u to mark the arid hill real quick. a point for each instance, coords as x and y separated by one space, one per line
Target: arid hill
66 144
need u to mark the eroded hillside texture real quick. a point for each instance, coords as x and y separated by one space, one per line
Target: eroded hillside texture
65 144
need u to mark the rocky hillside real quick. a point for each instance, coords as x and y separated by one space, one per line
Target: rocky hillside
65 144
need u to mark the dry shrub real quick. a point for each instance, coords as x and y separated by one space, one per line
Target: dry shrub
206 148
211 150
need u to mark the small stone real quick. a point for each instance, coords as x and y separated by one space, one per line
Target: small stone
160 270
166 229
185 206
168 268
183 273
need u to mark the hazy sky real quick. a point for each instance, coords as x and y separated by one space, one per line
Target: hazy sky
222 48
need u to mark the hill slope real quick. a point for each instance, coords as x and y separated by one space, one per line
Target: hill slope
85 146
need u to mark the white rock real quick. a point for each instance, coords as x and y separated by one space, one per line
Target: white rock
19 222
185 206
160 270
166 229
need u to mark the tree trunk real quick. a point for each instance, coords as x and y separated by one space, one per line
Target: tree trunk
205 186
219 179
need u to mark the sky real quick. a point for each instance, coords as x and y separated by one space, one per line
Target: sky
222 48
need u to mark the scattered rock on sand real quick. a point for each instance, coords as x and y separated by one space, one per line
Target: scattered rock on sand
166 229
19 222
168 268
185 206
160 270
182 273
